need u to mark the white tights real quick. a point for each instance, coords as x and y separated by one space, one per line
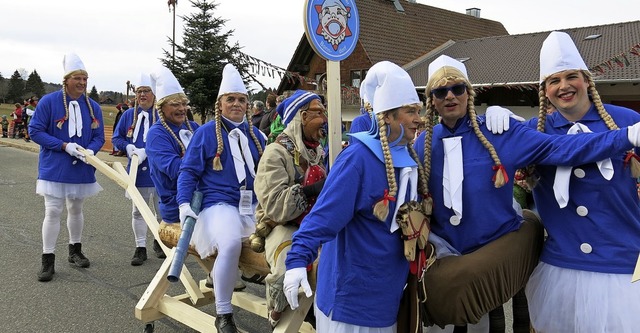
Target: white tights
52 216
138 224
223 280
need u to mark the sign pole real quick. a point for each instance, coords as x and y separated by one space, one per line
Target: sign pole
335 110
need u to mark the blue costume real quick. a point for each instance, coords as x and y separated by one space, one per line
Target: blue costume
55 164
611 225
165 155
517 148
120 141
362 285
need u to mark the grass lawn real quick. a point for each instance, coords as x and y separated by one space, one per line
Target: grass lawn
108 112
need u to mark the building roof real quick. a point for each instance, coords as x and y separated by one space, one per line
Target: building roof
514 59
402 36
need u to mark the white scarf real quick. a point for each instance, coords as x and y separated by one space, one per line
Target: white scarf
237 139
563 173
75 119
143 115
185 136
407 174
453 174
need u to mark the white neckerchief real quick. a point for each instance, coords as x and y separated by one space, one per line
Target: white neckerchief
408 176
563 173
75 119
237 139
143 115
453 174
185 136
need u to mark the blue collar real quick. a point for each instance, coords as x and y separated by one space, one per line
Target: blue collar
399 154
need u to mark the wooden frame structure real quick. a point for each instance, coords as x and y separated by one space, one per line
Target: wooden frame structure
155 304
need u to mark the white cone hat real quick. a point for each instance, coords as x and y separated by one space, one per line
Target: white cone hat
165 83
559 53
231 81
388 86
71 63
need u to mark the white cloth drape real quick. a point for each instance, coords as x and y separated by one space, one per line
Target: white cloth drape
407 175
75 120
563 173
453 174
185 137
237 139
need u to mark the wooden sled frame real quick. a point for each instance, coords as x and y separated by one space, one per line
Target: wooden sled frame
155 304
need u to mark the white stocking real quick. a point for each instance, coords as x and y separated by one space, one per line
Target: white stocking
51 224
225 273
75 220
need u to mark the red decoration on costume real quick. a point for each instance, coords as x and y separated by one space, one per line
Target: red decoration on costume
386 197
314 173
629 156
504 173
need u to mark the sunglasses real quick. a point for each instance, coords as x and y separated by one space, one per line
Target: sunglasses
457 90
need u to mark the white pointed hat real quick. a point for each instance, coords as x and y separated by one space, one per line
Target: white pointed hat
388 86
445 60
71 63
165 83
145 81
559 53
231 81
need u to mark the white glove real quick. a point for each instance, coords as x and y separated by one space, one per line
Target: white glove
130 148
293 279
72 149
142 154
634 134
498 119
186 211
86 152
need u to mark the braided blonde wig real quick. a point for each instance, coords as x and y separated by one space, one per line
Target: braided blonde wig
217 164
174 98
94 122
441 78
545 104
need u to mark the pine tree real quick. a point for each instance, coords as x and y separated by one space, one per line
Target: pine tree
35 86
199 61
94 94
15 93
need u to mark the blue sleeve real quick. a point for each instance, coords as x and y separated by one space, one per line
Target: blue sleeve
97 134
119 138
41 124
162 154
192 167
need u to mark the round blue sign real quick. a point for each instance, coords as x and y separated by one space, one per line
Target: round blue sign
332 27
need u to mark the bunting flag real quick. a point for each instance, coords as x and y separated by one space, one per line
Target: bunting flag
620 60
263 68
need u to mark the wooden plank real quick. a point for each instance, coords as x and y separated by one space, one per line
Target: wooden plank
636 272
188 315
291 321
133 168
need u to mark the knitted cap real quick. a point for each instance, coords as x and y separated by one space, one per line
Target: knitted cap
387 86
290 106
559 53
231 81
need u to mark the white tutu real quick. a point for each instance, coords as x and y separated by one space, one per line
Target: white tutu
66 190
220 220
567 300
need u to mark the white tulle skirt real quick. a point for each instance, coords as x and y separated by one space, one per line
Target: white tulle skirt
220 221
66 190
567 300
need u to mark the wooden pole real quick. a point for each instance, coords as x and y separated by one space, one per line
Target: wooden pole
334 109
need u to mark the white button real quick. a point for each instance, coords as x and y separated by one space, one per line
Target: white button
74 162
582 211
578 172
144 168
454 220
586 248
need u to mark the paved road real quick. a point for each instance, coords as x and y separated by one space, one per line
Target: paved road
100 298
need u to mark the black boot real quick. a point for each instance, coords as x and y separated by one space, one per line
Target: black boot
139 256
158 250
224 323
46 272
77 257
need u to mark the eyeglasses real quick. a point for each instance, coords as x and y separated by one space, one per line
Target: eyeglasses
143 91
457 90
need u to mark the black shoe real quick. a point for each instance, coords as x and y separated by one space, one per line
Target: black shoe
77 257
158 250
139 256
224 323
48 263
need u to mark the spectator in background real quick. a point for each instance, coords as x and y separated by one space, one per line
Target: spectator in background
115 151
257 110
17 120
67 121
269 115
5 126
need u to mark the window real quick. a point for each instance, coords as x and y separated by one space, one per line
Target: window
357 76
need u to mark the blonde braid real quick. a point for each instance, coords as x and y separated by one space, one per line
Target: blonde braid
611 124
368 108
217 165
253 135
94 122
381 208
135 119
66 107
427 202
500 178
166 126
544 106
